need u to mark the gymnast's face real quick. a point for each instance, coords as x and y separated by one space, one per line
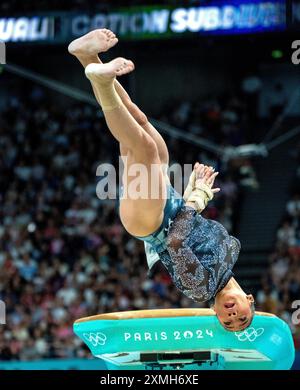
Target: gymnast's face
234 310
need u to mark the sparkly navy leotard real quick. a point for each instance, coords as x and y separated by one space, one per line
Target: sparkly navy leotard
198 253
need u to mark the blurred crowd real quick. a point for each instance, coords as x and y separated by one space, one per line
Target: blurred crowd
63 252
280 290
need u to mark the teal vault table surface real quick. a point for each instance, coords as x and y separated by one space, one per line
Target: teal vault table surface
186 338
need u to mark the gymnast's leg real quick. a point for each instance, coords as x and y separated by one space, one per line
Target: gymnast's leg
140 215
86 50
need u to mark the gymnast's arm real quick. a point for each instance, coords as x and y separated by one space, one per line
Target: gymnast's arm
181 227
197 194
191 277
184 260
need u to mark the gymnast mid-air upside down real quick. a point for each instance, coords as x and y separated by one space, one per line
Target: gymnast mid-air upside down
198 253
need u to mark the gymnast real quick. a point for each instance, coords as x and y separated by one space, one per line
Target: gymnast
198 253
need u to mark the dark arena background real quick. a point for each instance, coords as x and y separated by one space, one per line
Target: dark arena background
222 90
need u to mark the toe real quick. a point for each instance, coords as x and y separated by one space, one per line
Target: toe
109 33
131 64
113 41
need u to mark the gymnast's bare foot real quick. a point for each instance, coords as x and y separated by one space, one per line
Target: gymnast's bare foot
93 43
107 72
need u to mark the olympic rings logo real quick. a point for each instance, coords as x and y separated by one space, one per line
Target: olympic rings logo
95 338
249 334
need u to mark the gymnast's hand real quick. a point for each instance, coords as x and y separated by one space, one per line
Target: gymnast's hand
200 188
205 175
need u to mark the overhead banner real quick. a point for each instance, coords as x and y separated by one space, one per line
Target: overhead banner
222 17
